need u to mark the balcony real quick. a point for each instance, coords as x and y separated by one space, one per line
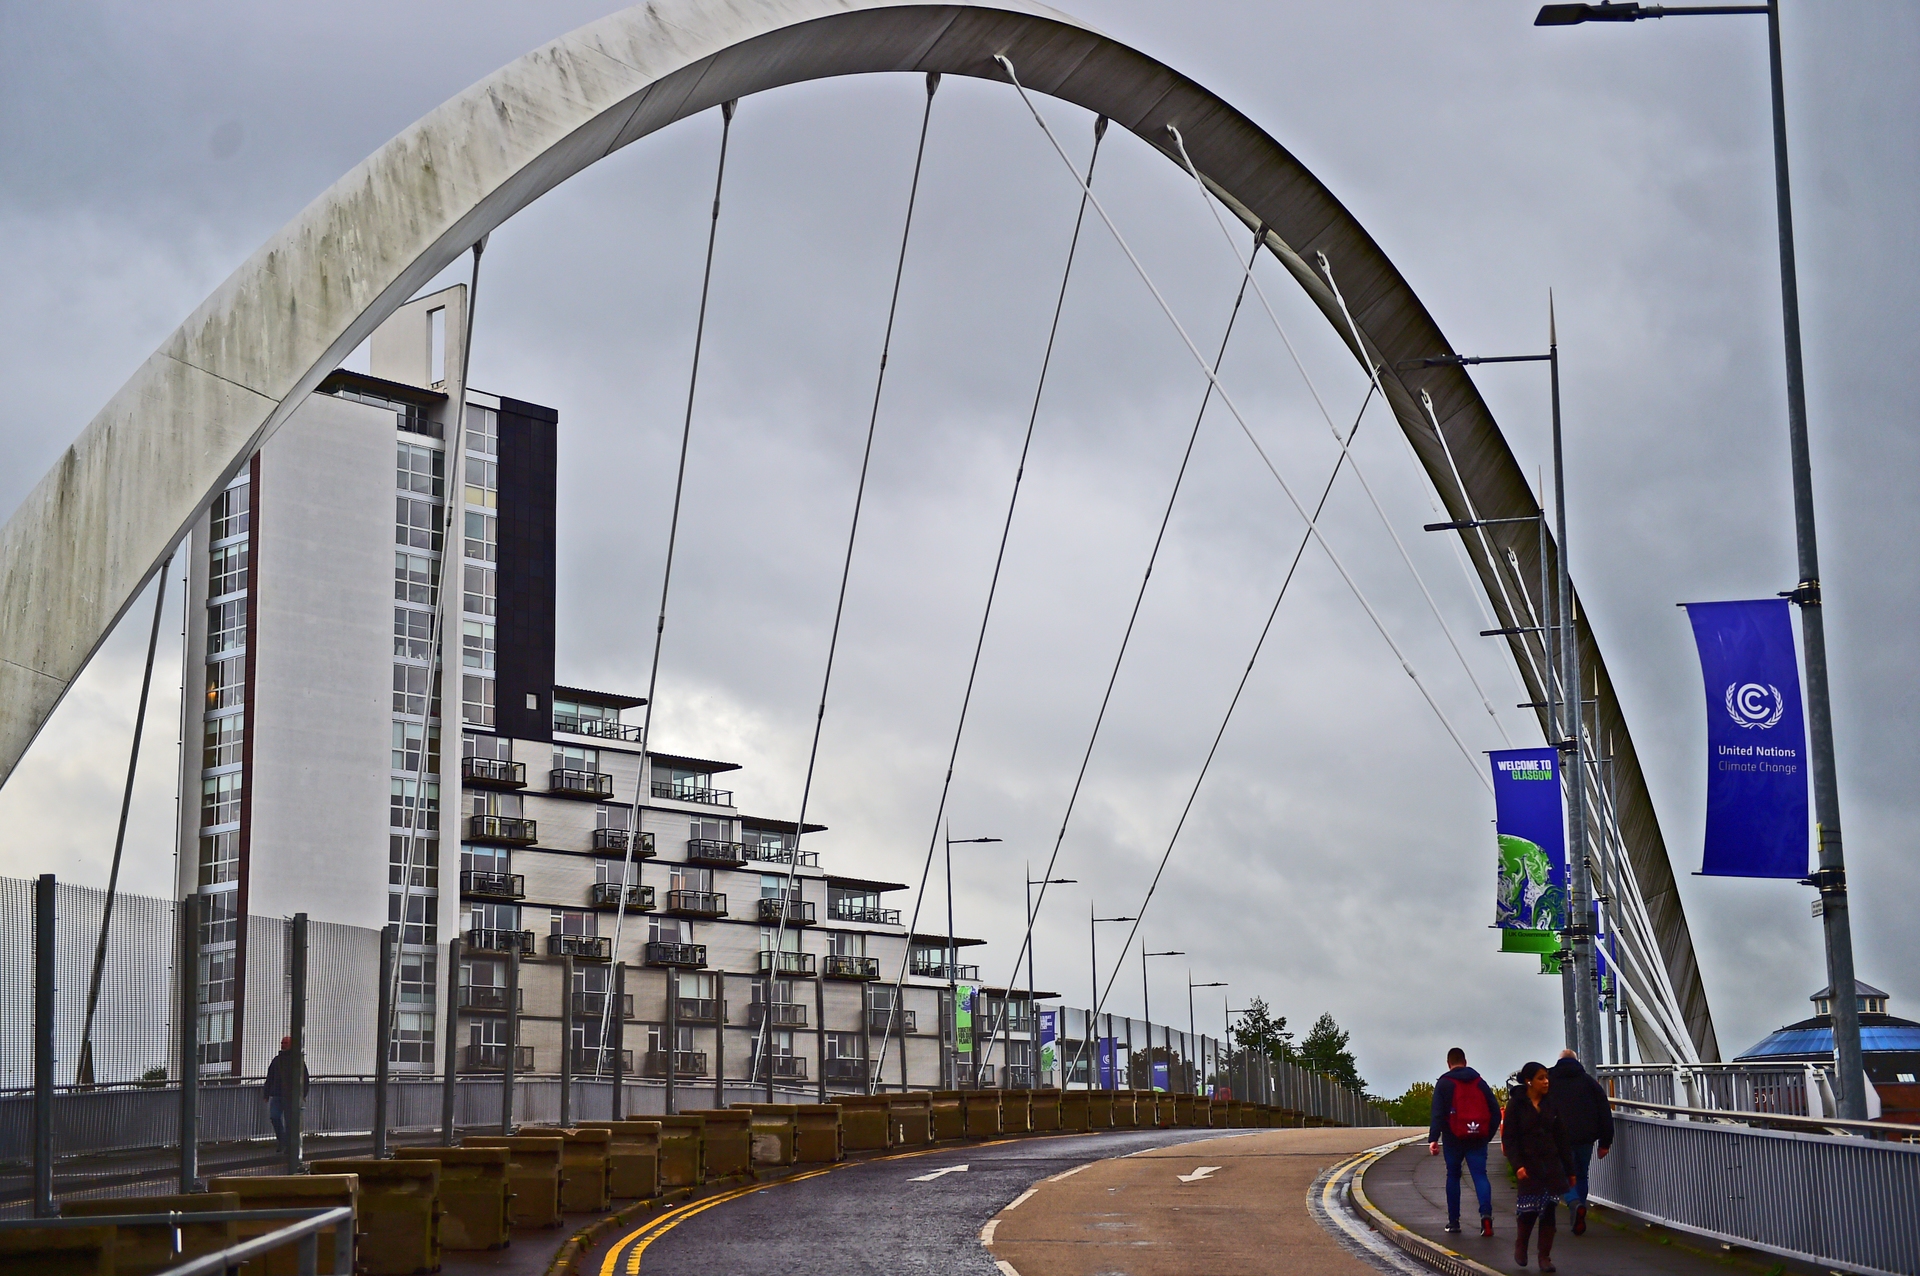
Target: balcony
853 1071
686 1063
702 1010
616 840
584 947
660 952
784 1014
697 903
700 850
1019 1077
972 1078
881 1020
800 964
489 999
838 967
493 773
603 1061
595 785
502 830
690 793
494 1058
493 885
607 895
799 912
856 910
936 969
590 1005
765 854
598 728
480 940
786 1067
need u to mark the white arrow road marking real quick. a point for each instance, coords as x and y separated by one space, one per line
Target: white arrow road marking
951 1169
1202 1172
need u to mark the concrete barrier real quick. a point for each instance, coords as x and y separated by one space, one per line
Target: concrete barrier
57 1251
912 1117
1076 1110
1189 1110
139 1250
1100 1109
533 1175
1044 1110
584 1184
865 1122
983 1113
288 1192
729 1141
816 1134
1126 1109
633 1157
1016 1112
398 1217
773 1131
949 1115
683 1151
474 1194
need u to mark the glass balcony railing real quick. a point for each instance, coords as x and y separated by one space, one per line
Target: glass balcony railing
494 773
838 967
616 840
604 1061
880 1020
580 784
858 910
786 1067
599 728
853 1071
607 895
502 830
778 1014
706 851
686 1063
799 912
489 999
769 853
697 903
493 885
660 952
789 963
585 947
692 793
486 1058
485 940
701 1010
591 1005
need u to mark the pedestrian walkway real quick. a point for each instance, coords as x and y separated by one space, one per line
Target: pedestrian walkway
1409 1187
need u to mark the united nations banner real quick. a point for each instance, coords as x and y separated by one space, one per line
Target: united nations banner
1756 740
1531 892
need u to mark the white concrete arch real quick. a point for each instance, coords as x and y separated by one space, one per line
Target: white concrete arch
79 548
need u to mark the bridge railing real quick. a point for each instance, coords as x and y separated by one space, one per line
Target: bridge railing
1792 1089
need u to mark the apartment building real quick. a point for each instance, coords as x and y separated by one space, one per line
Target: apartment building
573 863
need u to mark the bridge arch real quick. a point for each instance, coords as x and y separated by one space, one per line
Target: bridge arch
77 551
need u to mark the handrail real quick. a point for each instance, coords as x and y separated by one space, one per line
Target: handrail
1816 1125
310 1224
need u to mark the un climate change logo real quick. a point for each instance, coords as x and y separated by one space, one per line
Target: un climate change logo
1753 704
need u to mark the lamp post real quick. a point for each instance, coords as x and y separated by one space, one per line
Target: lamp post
1093 1007
1831 877
1192 1035
953 983
1032 1008
1146 1013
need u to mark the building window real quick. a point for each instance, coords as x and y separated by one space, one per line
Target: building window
478 596
569 715
496 748
476 644
845 1045
400 804
510 805
410 686
217 976
215 1044
231 513
419 470
412 1036
613 817
219 918
416 523
423 916
414 578
220 799
226 627
572 757
483 430
709 830
608 870
493 916
847 943
406 746
417 979
219 857
789 939
226 683
227 570
483 536
221 744
685 877
483 482
669 930
425 858
412 633
476 700
657 1039
570 921
485 859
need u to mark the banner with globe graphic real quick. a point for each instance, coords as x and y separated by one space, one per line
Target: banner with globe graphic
1756 740
1530 896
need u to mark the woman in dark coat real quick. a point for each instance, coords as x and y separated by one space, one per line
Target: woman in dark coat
1536 1146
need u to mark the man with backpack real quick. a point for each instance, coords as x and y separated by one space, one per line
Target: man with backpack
1466 1116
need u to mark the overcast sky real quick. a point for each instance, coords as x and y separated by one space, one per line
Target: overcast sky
1339 857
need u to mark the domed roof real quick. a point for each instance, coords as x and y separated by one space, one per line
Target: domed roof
1811 1040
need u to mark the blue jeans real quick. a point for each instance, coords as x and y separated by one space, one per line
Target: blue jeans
277 1113
1582 1158
1475 1157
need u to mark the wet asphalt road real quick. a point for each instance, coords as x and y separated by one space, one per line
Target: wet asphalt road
872 1216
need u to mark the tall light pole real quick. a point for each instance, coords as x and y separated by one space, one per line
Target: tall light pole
1831 877
1146 1013
953 981
1193 1036
1032 1008
1093 1007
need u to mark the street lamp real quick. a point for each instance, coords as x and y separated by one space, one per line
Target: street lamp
953 983
1093 1007
1146 1013
1831 877
1192 1035
1032 1008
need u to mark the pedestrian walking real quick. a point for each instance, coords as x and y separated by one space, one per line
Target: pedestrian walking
1584 1109
1536 1146
1466 1116
280 1072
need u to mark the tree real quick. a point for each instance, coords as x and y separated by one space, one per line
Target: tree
1263 1032
1415 1107
1325 1050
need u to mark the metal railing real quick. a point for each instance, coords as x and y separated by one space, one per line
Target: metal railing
686 1063
599 728
607 895
786 1067
704 850
940 970
571 783
495 771
853 1070
879 1018
843 967
691 793
980 1078
493 885
1787 1089
588 1059
848 910
1834 1200
766 854
702 1010
697 903
483 940
662 952
594 1003
490 998
799 911
778 1014
493 1058
302 1232
616 840
789 963
586 947
508 830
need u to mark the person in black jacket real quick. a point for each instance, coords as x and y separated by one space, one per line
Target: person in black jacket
280 1074
1454 1114
1536 1146
1585 1110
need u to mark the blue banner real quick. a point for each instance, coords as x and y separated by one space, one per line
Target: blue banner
1160 1076
1531 890
1756 740
1049 1036
1106 1063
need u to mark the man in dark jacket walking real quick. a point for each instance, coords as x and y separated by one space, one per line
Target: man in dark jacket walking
1465 1118
280 1074
1587 1113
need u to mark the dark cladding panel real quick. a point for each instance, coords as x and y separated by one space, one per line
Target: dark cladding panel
529 451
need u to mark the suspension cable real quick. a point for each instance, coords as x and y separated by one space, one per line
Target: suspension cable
993 585
83 1072
788 895
627 876
1239 419
1213 207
